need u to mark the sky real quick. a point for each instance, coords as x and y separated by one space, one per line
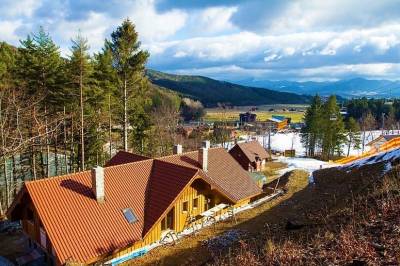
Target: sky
231 40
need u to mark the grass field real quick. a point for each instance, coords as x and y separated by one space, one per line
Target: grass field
233 115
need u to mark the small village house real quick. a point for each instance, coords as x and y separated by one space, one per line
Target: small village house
250 155
277 123
99 215
382 140
247 117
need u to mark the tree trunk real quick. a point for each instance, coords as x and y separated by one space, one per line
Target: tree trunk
47 144
72 152
56 152
82 122
109 124
33 153
65 143
6 182
125 126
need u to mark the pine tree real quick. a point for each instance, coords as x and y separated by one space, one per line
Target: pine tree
40 72
333 129
312 132
106 80
129 62
80 70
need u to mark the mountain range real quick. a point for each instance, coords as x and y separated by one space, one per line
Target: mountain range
211 92
348 88
260 92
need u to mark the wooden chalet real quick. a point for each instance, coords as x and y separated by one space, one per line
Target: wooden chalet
277 123
95 216
250 155
381 140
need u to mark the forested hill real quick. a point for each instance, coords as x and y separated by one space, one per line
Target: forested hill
210 91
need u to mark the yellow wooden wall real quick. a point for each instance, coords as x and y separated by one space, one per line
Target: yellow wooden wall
154 234
188 195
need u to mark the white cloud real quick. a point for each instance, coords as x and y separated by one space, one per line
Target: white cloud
7 30
153 26
13 8
94 28
234 72
215 19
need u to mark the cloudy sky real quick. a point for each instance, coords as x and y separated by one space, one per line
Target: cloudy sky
231 39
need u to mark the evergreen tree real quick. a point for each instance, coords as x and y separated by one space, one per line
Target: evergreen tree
333 129
105 77
129 62
80 70
312 132
41 74
41 68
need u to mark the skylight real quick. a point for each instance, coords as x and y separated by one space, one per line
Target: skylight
129 215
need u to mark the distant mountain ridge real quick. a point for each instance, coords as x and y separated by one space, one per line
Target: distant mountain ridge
211 92
348 88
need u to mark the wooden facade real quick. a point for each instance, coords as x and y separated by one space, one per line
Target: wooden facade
196 198
199 192
251 166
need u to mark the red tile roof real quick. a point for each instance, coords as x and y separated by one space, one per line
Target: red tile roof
82 229
223 170
123 157
252 149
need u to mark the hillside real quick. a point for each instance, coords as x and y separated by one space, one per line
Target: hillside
349 216
347 88
211 92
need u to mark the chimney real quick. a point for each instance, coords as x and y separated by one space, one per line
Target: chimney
177 149
98 183
203 155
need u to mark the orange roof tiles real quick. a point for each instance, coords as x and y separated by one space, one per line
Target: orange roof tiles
82 229
223 171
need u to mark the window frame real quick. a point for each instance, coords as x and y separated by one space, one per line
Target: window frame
187 206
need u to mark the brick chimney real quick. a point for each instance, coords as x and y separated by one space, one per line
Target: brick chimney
177 149
203 155
98 183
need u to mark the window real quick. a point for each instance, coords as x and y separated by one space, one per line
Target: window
168 221
29 215
195 202
185 206
129 215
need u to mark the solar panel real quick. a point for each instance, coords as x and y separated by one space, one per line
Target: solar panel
129 215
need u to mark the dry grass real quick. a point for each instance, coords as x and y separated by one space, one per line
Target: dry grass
362 227
233 115
271 169
189 250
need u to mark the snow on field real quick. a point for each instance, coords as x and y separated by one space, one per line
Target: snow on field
307 164
287 141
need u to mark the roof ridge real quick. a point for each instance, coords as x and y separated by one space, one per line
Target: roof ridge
81 172
187 152
178 165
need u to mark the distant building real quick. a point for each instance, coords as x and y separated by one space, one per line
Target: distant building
247 117
381 140
277 122
250 155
